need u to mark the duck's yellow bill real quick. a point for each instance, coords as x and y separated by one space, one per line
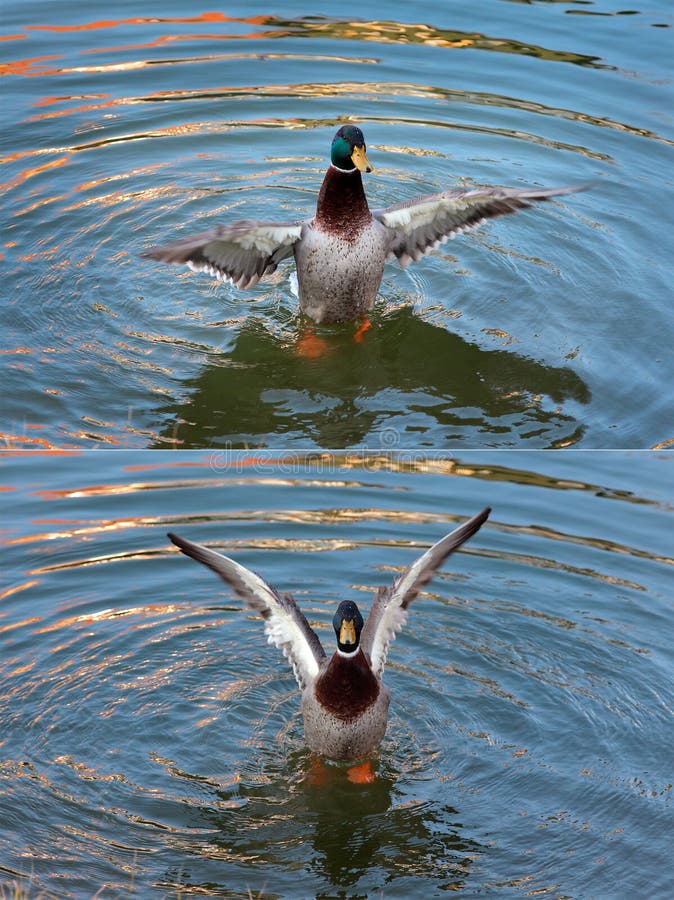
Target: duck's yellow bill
347 632
359 160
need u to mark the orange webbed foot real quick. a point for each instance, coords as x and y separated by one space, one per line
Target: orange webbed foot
310 346
318 775
363 773
360 333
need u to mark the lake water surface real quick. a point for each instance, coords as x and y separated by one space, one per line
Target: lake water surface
151 741
132 126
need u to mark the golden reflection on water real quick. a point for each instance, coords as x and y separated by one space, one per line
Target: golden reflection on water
103 490
15 590
149 20
385 32
22 624
370 89
18 440
34 170
326 545
150 610
307 516
291 464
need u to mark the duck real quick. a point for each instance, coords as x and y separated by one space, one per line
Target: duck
344 699
340 253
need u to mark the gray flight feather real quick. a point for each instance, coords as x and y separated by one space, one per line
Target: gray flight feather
241 252
389 610
285 624
419 225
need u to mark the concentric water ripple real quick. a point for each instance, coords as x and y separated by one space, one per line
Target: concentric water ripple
152 739
125 130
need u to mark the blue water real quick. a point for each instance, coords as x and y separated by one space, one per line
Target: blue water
130 126
151 740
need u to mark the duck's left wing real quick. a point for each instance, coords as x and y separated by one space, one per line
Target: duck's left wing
389 610
419 225
241 252
285 625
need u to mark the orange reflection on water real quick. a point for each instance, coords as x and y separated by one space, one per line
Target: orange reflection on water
38 203
94 490
48 101
216 461
77 529
150 20
17 439
158 610
21 624
148 169
87 107
25 174
57 451
16 589
21 670
23 66
174 38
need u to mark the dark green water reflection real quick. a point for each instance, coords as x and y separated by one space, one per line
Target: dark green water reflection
406 381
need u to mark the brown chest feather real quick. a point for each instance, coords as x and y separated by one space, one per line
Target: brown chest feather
342 206
347 687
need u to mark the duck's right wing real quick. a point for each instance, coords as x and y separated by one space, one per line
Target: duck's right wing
285 624
240 253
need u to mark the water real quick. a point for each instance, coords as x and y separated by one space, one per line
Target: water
121 130
151 740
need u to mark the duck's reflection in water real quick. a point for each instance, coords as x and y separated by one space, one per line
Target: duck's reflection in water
432 387
293 836
362 829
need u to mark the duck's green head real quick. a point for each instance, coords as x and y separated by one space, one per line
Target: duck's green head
348 624
348 150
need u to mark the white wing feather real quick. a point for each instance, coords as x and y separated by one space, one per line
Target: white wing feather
285 625
389 610
423 223
240 253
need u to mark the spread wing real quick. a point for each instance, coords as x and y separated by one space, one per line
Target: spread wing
241 252
421 224
285 624
389 610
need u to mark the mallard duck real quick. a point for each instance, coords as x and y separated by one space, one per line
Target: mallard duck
340 253
344 701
